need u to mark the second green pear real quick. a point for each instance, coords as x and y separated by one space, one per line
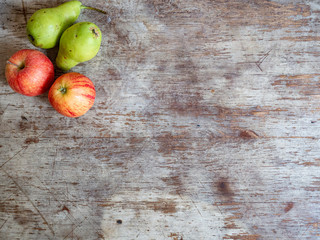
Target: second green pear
45 26
79 43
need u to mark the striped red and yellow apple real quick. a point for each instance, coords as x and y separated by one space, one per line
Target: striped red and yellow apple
29 72
72 94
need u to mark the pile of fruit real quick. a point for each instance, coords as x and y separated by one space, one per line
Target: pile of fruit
31 73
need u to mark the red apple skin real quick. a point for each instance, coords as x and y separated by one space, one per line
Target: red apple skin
72 94
29 72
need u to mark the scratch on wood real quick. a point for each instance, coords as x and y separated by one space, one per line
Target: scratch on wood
27 196
55 198
3 223
260 61
2 114
23 148
24 11
73 228
305 231
218 208
196 207
54 164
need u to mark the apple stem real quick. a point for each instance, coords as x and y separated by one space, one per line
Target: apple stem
13 64
63 90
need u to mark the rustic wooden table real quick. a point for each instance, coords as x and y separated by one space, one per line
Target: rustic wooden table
205 126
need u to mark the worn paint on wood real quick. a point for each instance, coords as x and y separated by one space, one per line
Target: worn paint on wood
205 126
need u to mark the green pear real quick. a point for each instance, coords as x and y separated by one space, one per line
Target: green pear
45 26
79 43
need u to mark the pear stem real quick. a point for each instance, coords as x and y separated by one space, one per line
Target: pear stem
92 8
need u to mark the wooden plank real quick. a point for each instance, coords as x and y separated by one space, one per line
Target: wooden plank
205 126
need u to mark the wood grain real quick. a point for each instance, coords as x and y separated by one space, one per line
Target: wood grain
205 126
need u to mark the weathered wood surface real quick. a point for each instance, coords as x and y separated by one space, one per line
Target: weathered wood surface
205 126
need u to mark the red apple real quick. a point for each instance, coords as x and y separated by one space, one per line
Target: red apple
72 94
29 72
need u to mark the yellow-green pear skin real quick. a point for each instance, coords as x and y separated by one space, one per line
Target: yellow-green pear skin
79 43
45 26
